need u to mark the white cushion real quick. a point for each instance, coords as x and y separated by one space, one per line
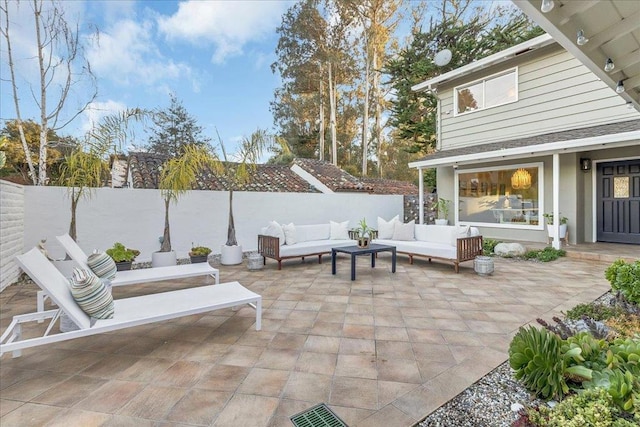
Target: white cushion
439 233
339 230
458 232
290 235
308 233
404 231
274 229
385 228
313 247
421 232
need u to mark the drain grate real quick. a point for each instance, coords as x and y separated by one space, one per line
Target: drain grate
317 416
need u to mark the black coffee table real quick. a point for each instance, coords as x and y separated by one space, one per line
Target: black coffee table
354 251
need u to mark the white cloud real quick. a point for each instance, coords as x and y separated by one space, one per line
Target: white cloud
97 110
126 53
229 25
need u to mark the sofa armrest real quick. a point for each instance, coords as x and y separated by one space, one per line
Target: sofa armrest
467 248
269 246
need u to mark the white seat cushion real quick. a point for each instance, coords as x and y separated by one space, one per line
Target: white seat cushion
312 247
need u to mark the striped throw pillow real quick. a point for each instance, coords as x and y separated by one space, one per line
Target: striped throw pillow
91 294
102 265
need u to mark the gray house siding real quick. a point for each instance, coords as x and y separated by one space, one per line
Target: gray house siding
555 93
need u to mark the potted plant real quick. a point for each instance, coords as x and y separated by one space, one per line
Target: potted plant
177 176
122 256
550 222
363 233
234 176
442 206
199 253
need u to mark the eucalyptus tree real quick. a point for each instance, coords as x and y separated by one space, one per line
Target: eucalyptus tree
315 54
60 66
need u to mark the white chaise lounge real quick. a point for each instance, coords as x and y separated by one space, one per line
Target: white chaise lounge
128 312
132 277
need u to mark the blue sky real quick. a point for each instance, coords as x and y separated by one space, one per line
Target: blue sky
214 55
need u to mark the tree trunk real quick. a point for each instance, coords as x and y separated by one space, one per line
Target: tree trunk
377 132
365 115
74 204
332 119
42 169
321 131
166 237
231 230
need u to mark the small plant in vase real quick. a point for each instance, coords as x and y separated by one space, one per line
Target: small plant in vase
562 233
442 206
122 256
363 233
199 253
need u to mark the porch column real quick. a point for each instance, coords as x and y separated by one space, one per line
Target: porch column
420 196
556 201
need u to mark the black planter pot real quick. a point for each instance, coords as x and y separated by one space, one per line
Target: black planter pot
124 265
199 258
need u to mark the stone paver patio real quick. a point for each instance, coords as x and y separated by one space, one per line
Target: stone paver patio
384 350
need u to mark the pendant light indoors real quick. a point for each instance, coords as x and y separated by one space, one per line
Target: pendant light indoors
521 180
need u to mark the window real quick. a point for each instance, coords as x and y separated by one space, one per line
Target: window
506 197
495 90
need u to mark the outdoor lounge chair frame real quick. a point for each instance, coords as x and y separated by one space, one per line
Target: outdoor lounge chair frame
132 277
129 312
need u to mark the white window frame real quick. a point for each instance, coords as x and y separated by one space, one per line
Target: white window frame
483 80
541 222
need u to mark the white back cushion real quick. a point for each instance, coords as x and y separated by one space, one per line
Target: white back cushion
439 234
274 229
307 233
421 232
458 232
339 230
290 235
403 231
385 228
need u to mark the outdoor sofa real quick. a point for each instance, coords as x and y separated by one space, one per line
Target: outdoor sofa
453 244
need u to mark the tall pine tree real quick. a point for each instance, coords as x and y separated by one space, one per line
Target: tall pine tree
174 129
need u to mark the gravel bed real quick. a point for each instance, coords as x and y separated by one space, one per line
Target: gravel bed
489 401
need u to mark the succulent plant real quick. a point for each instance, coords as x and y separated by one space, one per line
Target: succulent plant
539 361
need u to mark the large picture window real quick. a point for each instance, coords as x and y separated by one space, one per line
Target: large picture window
501 197
495 90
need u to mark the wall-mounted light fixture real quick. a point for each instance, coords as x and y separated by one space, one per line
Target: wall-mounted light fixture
609 65
585 164
581 39
546 6
620 87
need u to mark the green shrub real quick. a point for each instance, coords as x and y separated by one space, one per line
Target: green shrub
594 311
541 364
625 277
545 255
593 407
488 246
199 251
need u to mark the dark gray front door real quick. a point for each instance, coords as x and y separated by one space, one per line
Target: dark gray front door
618 200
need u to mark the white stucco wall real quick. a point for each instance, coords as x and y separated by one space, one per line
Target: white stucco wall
136 217
11 231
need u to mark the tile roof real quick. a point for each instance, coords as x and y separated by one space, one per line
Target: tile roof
269 178
391 186
568 135
330 175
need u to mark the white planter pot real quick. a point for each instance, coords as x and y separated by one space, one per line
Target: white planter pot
563 230
442 221
163 259
230 255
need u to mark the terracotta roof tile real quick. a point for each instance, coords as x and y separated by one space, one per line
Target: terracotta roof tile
268 178
391 186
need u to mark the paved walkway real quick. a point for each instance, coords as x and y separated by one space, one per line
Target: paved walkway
384 350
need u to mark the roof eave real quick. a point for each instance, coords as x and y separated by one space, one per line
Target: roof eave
496 58
581 144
